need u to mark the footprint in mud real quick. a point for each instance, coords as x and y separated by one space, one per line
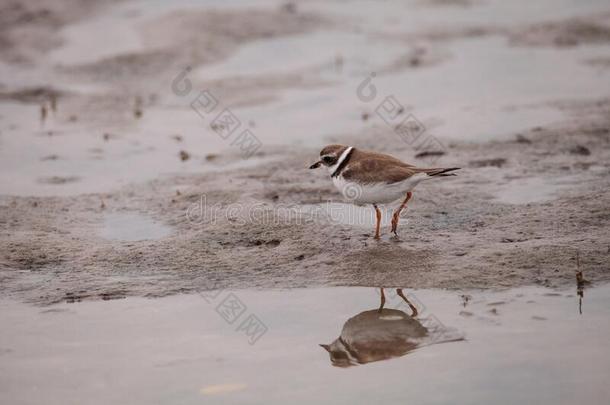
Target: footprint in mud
496 162
57 180
271 243
71 298
54 311
113 295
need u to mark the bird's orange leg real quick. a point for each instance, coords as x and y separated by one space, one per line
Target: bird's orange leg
413 309
396 214
378 216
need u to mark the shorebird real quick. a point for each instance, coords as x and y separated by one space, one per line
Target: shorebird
373 336
385 333
365 177
378 334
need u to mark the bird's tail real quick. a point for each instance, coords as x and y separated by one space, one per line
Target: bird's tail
441 172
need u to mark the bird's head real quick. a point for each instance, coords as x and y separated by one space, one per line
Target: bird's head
339 355
329 156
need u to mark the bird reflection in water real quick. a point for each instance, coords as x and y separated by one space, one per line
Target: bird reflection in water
377 334
580 283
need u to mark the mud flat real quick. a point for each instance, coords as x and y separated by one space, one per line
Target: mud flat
517 214
122 190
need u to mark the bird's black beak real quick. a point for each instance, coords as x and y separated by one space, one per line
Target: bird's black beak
316 165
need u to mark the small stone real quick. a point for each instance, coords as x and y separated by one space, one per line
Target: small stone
184 155
522 139
580 150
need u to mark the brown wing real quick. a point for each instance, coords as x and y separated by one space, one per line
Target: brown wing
371 167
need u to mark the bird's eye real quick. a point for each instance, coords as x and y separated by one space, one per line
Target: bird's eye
328 159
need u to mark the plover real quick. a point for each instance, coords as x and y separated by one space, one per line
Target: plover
374 335
365 177
385 333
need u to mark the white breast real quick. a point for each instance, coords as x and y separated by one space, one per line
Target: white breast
376 193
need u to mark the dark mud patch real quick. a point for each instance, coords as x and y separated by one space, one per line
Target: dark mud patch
31 94
58 179
72 297
171 44
495 162
419 57
49 158
601 63
30 258
29 28
565 33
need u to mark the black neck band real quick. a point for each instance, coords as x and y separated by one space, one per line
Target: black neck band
343 164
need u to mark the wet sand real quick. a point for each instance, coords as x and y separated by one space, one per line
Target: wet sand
123 190
488 227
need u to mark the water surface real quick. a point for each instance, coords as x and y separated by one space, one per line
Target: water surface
529 345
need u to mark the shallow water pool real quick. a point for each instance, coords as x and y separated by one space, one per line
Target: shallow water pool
528 345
